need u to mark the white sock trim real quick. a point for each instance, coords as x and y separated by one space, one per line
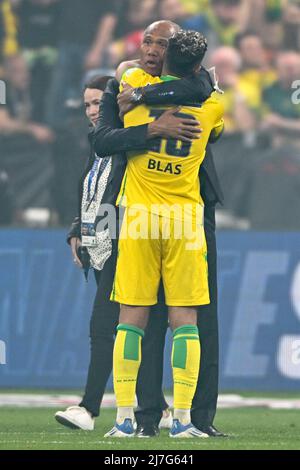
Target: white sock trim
123 413
184 416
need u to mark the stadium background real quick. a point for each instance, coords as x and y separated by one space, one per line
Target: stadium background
45 303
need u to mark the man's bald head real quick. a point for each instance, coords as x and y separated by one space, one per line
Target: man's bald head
165 27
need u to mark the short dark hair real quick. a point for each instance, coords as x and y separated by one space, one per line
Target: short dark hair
185 51
97 82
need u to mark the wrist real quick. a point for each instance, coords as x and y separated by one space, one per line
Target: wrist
137 96
153 130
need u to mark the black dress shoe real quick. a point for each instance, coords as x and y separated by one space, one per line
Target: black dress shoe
212 431
147 430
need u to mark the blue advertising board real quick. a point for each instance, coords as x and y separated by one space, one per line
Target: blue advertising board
45 307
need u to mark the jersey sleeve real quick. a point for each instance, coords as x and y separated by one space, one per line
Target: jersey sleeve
218 117
137 77
132 77
217 131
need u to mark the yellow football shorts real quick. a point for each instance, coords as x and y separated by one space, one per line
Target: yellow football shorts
154 248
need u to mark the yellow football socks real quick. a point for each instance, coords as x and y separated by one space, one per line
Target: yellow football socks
126 363
185 363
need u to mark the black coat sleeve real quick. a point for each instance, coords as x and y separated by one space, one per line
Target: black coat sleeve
184 91
75 230
110 138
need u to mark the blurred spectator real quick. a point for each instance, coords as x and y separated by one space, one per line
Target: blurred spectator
255 69
291 18
283 116
194 7
69 158
240 97
85 30
134 16
224 19
24 144
255 61
72 37
38 20
16 116
273 177
8 31
174 10
241 114
265 17
219 20
189 14
276 179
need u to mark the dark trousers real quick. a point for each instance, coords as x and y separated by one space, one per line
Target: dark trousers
205 399
104 321
149 385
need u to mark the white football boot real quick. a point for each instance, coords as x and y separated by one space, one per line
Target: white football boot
166 419
76 417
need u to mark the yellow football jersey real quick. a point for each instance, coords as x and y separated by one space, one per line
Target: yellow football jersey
166 175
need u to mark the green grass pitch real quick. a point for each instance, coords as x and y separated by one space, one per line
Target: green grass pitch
254 428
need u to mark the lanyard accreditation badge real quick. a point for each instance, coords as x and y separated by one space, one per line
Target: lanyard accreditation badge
88 217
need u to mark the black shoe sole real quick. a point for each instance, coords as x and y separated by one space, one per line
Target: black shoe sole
66 423
218 436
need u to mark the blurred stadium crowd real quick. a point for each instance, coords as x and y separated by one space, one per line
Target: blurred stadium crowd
48 48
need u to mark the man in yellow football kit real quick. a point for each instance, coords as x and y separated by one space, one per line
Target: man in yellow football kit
162 236
164 182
